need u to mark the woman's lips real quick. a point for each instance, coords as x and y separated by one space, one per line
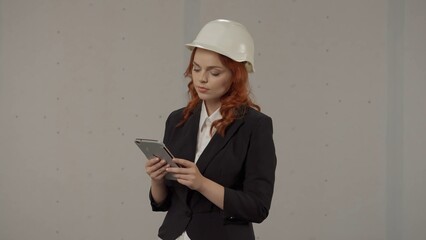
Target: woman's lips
202 89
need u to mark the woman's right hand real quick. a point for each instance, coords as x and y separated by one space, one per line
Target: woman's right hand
156 169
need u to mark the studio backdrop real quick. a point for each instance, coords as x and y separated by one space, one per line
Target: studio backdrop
344 82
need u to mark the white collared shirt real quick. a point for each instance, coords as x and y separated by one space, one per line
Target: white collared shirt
203 140
204 127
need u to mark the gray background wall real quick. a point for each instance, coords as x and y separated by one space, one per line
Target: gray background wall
343 80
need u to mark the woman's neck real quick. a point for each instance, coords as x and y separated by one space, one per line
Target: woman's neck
211 107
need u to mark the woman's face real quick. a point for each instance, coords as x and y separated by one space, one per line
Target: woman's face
210 77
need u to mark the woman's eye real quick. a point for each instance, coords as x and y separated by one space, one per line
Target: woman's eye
195 69
215 74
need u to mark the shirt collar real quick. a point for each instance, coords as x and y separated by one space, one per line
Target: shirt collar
204 116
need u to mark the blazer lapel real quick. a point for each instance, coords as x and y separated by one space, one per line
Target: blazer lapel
216 144
186 147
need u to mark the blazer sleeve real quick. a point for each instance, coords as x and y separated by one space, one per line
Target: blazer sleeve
253 202
164 206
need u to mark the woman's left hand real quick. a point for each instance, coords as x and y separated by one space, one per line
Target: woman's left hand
188 174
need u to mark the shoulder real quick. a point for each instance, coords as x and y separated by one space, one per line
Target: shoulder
252 115
257 121
176 115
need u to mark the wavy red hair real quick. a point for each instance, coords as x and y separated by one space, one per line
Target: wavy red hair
234 103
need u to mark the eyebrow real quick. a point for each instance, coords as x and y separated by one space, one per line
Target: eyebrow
209 67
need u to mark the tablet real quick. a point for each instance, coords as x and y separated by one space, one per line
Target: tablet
153 148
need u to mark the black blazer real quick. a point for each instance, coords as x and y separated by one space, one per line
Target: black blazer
243 161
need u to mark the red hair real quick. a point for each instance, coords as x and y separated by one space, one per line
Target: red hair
234 103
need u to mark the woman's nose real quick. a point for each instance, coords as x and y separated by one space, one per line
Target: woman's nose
203 77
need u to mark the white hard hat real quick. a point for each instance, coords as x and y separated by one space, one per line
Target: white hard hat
228 38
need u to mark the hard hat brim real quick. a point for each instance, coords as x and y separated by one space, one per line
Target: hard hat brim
248 65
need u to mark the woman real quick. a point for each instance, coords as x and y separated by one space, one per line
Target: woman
222 143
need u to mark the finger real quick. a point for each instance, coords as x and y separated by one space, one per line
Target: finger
160 164
183 162
162 175
184 182
152 161
184 177
181 181
173 170
159 173
154 167
176 170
